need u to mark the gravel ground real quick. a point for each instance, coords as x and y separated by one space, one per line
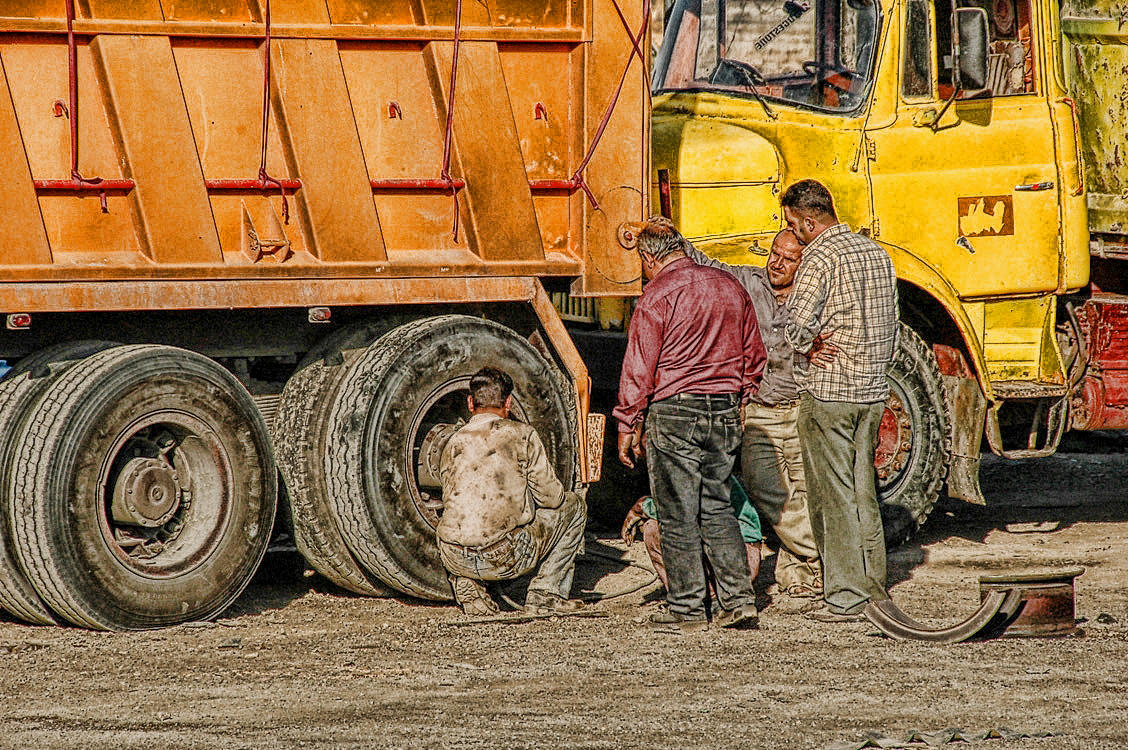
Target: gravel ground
295 663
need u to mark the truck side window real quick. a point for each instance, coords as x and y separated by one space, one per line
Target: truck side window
916 68
1010 53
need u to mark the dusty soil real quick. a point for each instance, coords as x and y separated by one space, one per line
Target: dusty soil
296 663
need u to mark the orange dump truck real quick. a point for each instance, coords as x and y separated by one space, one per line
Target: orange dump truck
245 239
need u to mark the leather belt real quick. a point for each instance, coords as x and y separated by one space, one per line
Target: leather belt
779 405
723 398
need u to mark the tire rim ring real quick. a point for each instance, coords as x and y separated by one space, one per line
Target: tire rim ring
199 524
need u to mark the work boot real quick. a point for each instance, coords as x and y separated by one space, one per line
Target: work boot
472 596
820 612
547 603
744 617
669 622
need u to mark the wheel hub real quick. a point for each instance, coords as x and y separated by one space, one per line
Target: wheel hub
147 493
894 438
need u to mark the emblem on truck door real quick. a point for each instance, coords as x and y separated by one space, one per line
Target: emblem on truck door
986 216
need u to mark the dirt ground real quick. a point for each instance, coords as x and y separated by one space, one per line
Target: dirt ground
295 663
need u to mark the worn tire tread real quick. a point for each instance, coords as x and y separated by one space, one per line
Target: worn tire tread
919 491
348 427
299 441
42 442
343 457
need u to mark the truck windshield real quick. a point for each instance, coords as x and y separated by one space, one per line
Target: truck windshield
816 54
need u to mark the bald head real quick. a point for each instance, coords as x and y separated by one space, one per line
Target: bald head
783 261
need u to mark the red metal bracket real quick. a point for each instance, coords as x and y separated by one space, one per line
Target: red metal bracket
253 184
407 183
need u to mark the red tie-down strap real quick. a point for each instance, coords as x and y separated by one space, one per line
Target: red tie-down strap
77 182
578 180
264 180
263 176
444 175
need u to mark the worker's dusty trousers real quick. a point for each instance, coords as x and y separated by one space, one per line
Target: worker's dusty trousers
692 444
552 539
772 465
838 441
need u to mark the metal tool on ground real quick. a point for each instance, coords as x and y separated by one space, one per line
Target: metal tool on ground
1029 604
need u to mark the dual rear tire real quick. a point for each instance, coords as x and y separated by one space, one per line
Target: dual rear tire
139 487
353 480
143 491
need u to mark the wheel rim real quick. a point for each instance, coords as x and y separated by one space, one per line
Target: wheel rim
166 494
446 404
895 445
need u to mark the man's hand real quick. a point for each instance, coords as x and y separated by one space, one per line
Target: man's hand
634 519
822 354
630 443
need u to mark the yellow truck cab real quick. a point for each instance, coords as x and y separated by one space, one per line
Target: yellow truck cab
946 132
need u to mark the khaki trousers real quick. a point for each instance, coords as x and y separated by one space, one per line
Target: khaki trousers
772 464
838 440
549 545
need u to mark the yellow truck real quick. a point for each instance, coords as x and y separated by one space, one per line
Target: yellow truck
982 144
254 249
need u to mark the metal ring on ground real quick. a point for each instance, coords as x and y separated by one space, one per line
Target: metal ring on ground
1032 604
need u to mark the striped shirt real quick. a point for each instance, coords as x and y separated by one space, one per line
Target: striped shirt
846 292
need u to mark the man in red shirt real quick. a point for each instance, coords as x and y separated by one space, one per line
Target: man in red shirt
693 352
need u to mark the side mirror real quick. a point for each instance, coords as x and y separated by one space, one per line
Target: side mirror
970 48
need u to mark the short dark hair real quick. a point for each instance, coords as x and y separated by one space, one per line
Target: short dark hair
489 387
660 238
809 196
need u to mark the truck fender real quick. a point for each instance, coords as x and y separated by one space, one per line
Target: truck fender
966 390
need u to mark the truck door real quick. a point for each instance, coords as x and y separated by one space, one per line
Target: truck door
974 190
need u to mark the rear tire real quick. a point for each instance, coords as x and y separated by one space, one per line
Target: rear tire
300 443
913 451
412 378
145 490
20 389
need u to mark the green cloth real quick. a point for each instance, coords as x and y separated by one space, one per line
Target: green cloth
746 514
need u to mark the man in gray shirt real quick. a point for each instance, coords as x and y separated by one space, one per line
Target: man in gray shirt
771 460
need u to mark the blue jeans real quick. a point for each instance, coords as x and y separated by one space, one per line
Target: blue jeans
692 442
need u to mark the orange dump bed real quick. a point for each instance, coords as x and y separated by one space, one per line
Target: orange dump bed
135 150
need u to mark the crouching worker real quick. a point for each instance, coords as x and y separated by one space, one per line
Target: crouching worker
505 513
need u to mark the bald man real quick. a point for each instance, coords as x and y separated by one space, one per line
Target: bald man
771 460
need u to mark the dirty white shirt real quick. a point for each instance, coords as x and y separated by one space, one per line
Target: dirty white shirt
494 473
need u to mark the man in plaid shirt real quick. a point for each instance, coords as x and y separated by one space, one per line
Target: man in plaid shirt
843 319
